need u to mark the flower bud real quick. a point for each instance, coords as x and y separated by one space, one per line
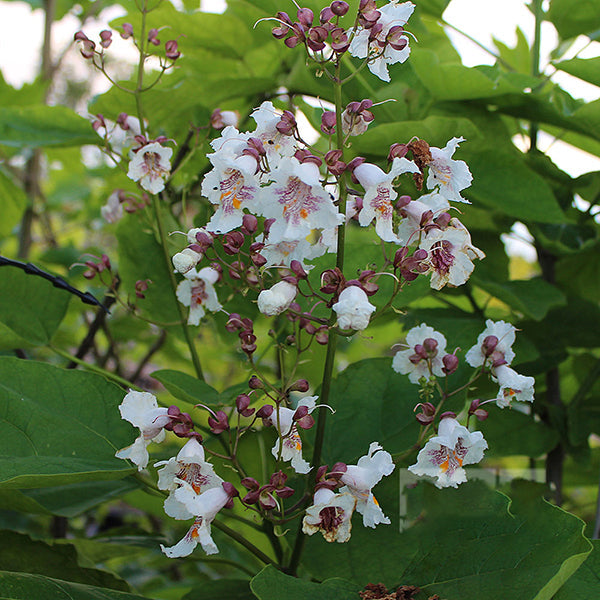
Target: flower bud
242 402
219 424
105 38
255 383
450 364
127 31
328 122
339 8
299 386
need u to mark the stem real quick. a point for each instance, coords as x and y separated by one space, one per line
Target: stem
140 73
240 539
332 342
91 367
186 331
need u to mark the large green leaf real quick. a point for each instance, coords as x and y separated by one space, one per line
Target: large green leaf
504 183
470 543
271 584
372 403
574 18
20 554
531 297
141 257
187 388
221 589
25 586
31 309
587 69
59 426
585 583
509 432
12 204
33 126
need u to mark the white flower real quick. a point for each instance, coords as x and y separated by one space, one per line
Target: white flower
353 309
276 144
198 292
119 138
291 448
512 386
205 507
451 254
112 211
450 176
379 194
392 15
283 253
191 468
359 480
444 455
233 187
411 224
186 260
277 299
231 142
504 334
420 359
150 166
298 202
141 410
330 514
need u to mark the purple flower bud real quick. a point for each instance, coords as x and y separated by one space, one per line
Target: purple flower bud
489 345
305 16
171 51
152 37
241 403
105 38
250 483
450 363
255 383
219 424
397 151
339 8
430 345
443 220
322 336
287 123
249 223
298 269
127 31
299 386
328 121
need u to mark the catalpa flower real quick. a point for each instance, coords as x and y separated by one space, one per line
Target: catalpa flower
449 176
451 254
353 309
360 479
444 455
198 292
188 467
494 343
142 411
205 507
298 202
411 224
379 195
232 186
423 358
513 386
330 514
388 46
150 166
276 144
277 299
289 444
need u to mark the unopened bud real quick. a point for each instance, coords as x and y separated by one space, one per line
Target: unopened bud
299 386
450 364
255 383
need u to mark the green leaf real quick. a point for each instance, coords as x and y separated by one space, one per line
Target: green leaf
65 500
372 403
271 584
580 273
531 297
31 309
59 426
187 388
509 432
20 554
229 589
141 257
470 543
35 126
584 583
12 204
587 69
503 182
24 586
575 18
563 238
433 7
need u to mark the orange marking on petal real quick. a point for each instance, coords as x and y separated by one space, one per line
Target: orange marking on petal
303 213
444 466
236 202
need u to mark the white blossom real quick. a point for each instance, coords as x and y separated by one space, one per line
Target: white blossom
392 14
112 211
353 309
415 361
198 292
142 411
449 176
513 386
276 144
379 194
505 334
186 260
360 479
444 455
150 166
330 514
277 299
